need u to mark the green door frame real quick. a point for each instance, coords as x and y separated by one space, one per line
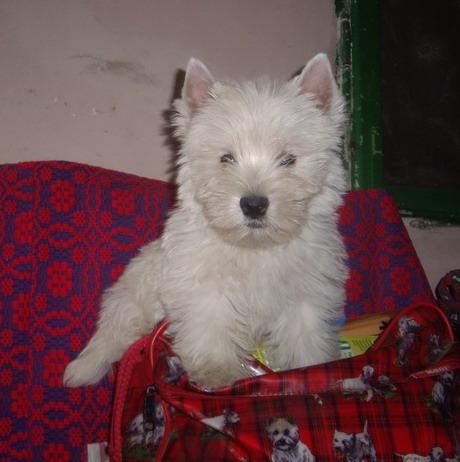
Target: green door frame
358 72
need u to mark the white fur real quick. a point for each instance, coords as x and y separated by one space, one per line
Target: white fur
140 433
441 389
225 286
436 455
438 394
359 384
220 422
452 459
287 446
354 447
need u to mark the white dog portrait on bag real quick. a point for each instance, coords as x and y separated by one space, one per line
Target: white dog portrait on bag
285 439
354 447
251 255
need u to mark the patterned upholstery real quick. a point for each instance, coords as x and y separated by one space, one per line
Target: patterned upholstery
385 272
66 232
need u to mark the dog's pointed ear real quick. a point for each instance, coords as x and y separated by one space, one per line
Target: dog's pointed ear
198 81
269 422
317 79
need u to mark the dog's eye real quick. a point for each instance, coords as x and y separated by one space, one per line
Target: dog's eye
276 432
228 159
286 432
287 160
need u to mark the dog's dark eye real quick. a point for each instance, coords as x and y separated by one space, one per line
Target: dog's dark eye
275 432
228 159
287 160
286 432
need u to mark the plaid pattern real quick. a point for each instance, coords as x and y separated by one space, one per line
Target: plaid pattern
67 230
396 405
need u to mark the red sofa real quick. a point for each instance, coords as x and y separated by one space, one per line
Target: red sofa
66 232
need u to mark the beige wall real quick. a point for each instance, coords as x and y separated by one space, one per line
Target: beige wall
89 80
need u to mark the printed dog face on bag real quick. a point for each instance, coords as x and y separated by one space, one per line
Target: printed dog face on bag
285 439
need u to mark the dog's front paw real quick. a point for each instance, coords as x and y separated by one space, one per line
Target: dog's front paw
84 370
218 376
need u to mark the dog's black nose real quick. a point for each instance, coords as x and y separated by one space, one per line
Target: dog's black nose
254 206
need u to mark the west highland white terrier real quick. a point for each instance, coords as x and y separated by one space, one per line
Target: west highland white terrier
287 446
251 255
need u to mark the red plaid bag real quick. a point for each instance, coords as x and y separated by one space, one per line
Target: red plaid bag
398 401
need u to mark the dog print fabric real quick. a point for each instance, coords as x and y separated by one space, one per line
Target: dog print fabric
285 439
354 447
372 407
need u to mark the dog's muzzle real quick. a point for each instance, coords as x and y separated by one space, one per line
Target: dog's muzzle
285 444
254 206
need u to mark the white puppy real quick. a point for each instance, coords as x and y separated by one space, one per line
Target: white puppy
142 433
366 445
136 431
354 447
285 438
359 384
251 255
222 421
344 445
436 455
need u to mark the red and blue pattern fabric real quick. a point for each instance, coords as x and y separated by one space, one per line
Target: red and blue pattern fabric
385 272
67 231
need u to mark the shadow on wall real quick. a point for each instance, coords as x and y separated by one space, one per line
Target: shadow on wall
171 142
